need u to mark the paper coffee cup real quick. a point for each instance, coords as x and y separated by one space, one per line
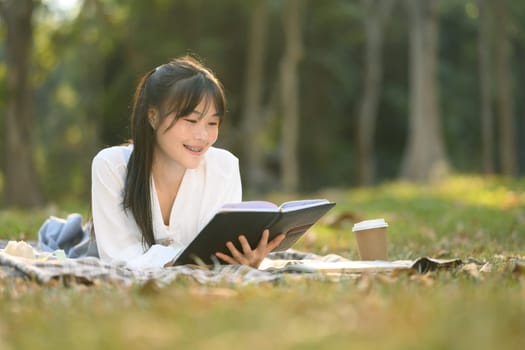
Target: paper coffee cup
371 239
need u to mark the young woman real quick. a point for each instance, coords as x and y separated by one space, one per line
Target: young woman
151 198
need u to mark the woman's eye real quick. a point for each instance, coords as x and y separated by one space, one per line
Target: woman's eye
193 121
213 123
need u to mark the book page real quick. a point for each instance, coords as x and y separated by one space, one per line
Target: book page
250 206
299 204
347 266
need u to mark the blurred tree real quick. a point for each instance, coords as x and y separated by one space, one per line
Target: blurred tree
73 98
485 68
85 70
293 53
21 181
459 83
330 85
252 115
424 157
504 86
376 14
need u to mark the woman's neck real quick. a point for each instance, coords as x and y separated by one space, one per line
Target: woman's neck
167 174
167 177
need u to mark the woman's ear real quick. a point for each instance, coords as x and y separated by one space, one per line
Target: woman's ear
153 118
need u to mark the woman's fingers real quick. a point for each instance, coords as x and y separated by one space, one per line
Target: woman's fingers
249 256
266 246
274 243
264 240
236 254
226 258
247 250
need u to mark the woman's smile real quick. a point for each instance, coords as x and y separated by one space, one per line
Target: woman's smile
194 149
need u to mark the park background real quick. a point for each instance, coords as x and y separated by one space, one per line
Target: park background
321 94
409 110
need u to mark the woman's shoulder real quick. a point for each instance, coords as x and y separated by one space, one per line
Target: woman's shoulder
218 159
220 156
115 155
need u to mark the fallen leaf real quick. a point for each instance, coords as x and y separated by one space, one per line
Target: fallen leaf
511 200
364 283
486 268
426 280
336 221
386 279
518 269
442 253
471 270
399 272
216 292
150 287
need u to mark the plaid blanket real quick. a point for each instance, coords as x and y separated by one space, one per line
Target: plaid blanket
48 268
89 270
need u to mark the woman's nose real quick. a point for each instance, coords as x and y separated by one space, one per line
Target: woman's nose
200 131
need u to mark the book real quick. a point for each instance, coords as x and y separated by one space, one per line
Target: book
345 266
421 265
250 219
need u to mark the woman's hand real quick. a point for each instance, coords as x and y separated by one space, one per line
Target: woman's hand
248 256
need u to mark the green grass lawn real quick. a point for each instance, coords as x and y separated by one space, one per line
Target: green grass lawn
473 218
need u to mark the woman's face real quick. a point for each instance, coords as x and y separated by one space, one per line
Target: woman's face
188 139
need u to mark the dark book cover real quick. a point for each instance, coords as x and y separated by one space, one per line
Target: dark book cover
251 219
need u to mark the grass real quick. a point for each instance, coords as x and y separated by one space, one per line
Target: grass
466 217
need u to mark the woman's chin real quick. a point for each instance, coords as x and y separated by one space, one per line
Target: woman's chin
193 163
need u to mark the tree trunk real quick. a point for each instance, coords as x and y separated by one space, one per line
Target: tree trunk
487 127
505 106
21 185
252 113
377 12
424 158
92 86
290 94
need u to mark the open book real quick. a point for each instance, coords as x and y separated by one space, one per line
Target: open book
421 265
251 218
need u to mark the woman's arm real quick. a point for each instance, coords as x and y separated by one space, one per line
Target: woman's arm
117 235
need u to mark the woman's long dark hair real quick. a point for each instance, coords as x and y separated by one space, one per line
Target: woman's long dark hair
175 87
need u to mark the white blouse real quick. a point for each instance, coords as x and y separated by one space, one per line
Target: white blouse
202 192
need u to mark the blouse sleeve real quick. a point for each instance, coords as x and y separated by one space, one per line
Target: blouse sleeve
118 236
221 186
233 192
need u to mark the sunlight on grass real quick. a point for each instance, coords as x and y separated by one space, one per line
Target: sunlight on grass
489 192
465 217
19 224
465 189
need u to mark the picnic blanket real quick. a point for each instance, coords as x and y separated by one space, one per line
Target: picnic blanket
66 251
90 270
48 268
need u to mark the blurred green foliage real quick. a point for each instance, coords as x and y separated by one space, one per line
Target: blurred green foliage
85 68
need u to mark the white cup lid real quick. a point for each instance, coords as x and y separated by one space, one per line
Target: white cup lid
368 224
